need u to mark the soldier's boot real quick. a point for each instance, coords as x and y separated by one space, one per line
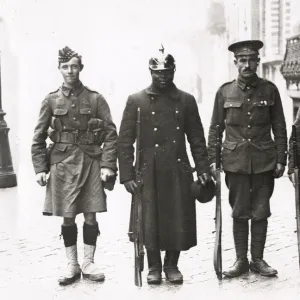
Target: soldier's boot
73 270
154 266
258 240
171 267
240 236
89 269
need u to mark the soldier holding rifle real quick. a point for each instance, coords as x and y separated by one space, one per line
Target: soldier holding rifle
167 116
247 109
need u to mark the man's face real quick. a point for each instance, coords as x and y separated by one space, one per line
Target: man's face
246 65
70 70
162 78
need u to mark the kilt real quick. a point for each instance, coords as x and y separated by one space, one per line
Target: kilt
74 186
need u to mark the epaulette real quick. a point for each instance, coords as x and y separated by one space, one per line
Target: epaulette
54 91
90 90
226 83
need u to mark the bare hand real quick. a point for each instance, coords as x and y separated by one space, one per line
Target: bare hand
213 170
279 170
106 173
204 178
130 186
292 178
41 178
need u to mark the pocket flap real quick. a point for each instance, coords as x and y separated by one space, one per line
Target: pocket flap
85 111
267 144
229 104
229 145
60 111
61 147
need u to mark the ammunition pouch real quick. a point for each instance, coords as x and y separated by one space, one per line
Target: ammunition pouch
95 124
56 124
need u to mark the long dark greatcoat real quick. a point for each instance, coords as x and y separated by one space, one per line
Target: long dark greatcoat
168 207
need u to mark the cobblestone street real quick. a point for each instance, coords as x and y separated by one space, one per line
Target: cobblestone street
32 253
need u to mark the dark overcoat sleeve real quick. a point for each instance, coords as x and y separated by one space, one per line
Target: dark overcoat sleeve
126 139
39 146
218 118
195 136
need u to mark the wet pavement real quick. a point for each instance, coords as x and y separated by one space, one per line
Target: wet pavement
32 253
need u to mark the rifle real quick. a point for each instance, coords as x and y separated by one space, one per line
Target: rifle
297 186
137 205
218 217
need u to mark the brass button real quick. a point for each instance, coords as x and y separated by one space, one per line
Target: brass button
177 111
249 113
174 141
155 129
153 113
73 105
249 126
249 140
230 104
74 118
177 127
248 100
178 159
156 145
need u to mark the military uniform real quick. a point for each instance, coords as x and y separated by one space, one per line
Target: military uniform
169 215
78 122
247 110
84 140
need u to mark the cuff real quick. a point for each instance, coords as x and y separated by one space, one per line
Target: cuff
105 164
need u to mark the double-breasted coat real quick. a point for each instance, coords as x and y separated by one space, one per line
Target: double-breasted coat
167 119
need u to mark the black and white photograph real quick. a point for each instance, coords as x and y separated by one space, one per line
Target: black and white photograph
149 149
